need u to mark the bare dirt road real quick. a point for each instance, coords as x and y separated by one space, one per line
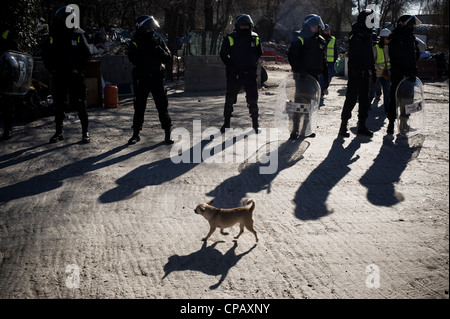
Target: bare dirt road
339 218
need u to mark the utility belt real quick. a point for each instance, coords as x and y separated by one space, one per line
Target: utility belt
237 74
138 74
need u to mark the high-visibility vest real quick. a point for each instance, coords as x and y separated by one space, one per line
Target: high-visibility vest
381 62
330 49
231 40
5 34
52 40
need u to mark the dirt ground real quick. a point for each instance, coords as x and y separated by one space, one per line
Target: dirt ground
340 218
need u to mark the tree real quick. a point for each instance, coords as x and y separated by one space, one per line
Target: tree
20 16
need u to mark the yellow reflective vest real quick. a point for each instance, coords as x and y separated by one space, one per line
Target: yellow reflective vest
380 62
330 49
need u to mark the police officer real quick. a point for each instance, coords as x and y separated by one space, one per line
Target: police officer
382 68
404 53
148 53
361 67
306 56
240 53
7 42
66 55
331 57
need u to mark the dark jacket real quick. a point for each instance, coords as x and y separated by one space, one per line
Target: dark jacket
360 54
403 52
148 53
66 50
307 53
241 51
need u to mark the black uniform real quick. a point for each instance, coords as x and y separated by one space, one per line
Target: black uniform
66 55
306 56
404 53
148 53
360 62
7 42
240 53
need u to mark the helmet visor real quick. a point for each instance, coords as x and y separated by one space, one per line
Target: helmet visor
148 23
315 21
412 20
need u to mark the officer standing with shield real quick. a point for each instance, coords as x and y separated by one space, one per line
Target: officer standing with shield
360 63
240 53
404 53
149 53
306 56
66 56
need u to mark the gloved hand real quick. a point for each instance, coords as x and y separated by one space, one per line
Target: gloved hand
411 78
374 75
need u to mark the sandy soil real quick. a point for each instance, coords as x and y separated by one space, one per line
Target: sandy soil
353 218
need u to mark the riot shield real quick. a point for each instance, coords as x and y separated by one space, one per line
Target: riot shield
16 70
410 107
297 105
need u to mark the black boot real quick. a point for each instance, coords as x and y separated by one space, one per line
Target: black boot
363 130
167 138
255 125
7 134
134 139
294 135
225 125
390 128
343 129
86 138
58 135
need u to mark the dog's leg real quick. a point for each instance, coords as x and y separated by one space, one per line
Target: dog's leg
241 231
211 230
222 232
250 228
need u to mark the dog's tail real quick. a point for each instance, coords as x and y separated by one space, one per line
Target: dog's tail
253 204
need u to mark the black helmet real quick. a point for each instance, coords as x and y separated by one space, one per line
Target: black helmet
313 20
243 19
145 23
407 20
62 13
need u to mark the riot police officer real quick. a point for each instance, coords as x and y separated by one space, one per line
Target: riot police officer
149 53
361 68
306 56
66 55
404 53
240 53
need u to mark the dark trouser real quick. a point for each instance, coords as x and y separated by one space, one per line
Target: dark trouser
357 89
396 78
143 86
7 108
73 84
235 82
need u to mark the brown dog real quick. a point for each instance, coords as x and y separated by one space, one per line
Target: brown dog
225 218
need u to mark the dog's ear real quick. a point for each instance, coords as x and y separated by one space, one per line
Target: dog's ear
210 202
